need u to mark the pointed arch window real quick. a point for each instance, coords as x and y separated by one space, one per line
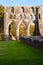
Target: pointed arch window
22 9
12 9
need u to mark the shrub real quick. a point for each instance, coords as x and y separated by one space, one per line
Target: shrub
10 16
32 28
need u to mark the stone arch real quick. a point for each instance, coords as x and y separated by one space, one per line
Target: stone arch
11 22
10 28
27 26
22 28
22 9
34 13
22 21
7 31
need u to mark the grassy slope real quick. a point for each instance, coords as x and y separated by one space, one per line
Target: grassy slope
17 53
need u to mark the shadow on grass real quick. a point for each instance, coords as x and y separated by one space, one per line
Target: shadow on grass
22 62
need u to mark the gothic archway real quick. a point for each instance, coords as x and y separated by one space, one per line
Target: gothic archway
22 29
12 31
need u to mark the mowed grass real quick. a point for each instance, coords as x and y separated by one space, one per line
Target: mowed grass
17 53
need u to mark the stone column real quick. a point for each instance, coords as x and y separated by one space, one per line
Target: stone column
17 32
6 30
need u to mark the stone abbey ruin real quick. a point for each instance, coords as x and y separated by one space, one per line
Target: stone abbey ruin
23 14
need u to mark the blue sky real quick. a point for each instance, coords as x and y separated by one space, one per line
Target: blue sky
21 2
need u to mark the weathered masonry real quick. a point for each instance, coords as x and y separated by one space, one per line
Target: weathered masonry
19 14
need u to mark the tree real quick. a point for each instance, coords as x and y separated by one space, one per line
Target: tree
22 30
32 28
1 19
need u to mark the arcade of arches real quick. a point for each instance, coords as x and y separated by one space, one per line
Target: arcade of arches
20 15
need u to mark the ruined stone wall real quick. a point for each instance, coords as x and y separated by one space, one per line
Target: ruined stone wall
19 14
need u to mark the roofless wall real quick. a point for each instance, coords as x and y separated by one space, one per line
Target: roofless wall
19 14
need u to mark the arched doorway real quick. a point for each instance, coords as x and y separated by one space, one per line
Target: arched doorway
31 28
22 30
12 31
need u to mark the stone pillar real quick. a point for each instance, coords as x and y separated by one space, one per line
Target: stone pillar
6 31
17 32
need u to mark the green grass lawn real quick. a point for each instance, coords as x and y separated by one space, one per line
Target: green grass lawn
17 53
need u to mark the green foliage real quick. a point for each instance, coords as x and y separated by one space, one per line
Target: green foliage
13 30
1 9
32 28
14 16
10 16
22 30
1 19
1 16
